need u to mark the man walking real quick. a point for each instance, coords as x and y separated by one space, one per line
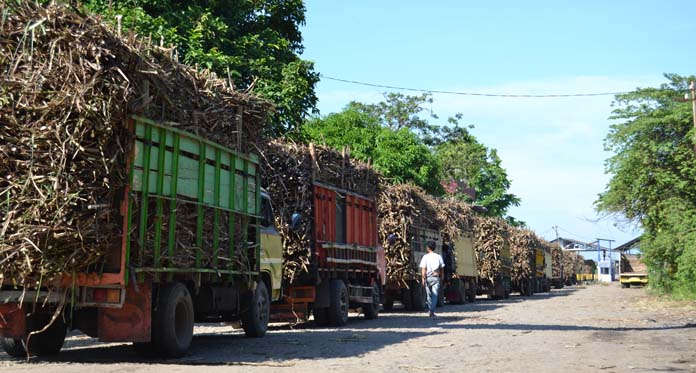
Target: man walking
432 268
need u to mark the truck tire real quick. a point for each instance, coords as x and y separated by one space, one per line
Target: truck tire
371 311
172 322
256 310
321 316
472 291
338 304
458 291
418 297
406 298
47 343
388 302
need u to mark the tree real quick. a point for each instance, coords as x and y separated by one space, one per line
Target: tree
408 148
653 179
463 158
399 111
253 42
399 154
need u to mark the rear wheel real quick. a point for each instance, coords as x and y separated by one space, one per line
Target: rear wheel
472 291
172 322
371 310
458 292
406 299
418 297
388 302
48 342
256 309
321 316
339 302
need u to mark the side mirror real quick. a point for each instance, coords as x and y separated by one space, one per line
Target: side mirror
295 221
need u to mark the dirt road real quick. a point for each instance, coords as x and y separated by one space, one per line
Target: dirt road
593 328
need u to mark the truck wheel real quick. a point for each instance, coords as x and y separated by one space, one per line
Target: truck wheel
172 322
388 302
472 291
458 291
321 316
47 343
418 297
256 310
371 310
406 298
339 302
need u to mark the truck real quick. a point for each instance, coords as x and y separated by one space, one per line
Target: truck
347 263
460 274
557 278
633 271
410 291
189 251
548 269
499 287
541 279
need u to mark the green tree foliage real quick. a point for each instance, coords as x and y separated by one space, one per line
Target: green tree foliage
408 148
463 158
398 153
253 42
653 179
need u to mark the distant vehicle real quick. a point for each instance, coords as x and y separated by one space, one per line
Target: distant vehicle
412 293
633 271
461 274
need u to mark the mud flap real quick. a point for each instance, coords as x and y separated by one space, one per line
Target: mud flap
13 321
132 322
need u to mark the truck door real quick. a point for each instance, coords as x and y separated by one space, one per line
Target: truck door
271 248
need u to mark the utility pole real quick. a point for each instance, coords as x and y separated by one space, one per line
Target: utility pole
555 227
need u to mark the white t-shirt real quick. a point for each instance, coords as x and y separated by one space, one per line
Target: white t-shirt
431 262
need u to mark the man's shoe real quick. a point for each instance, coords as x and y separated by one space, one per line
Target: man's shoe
432 314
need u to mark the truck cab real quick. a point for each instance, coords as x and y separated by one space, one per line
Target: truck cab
271 250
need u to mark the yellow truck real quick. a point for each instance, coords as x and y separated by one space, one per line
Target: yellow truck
541 279
633 271
461 275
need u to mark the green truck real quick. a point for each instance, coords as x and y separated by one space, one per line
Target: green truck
189 252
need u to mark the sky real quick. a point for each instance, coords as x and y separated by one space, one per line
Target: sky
552 148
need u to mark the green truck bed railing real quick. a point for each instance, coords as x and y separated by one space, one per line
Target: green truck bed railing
173 167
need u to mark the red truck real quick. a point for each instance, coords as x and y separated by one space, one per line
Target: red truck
347 267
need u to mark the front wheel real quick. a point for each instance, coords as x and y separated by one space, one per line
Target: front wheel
418 297
256 310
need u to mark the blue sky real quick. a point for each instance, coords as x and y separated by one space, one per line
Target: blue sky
551 148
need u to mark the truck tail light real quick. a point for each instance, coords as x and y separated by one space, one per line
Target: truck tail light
103 295
99 295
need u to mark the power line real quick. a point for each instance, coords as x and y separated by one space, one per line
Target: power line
503 95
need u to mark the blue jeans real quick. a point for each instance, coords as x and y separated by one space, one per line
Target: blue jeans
432 288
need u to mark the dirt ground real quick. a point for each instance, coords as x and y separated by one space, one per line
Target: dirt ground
592 328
